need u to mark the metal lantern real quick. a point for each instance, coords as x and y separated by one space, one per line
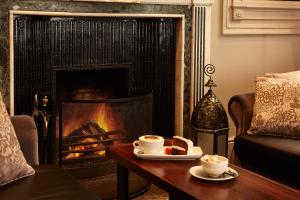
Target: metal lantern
209 115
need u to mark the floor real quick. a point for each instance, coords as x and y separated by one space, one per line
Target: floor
105 187
154 193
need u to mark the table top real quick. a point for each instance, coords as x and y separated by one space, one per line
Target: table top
174 177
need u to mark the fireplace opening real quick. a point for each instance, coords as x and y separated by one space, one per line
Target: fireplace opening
109 81
95 110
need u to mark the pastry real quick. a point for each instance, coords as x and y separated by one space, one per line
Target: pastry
178 146
184 143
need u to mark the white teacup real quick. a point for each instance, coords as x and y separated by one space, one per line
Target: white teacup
149 144
214 165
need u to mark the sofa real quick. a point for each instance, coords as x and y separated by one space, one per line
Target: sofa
275 157
49 181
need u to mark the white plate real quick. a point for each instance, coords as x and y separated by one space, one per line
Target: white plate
198 172
196 153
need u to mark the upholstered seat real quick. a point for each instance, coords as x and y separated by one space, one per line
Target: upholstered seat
49 182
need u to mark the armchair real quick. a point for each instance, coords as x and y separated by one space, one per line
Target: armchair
275 157
49 182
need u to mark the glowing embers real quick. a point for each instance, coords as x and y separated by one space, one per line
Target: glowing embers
87 129
89 140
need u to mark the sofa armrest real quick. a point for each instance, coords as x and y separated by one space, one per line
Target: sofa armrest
240 108
27 135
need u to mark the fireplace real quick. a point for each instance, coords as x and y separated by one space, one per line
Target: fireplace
93 61
38 51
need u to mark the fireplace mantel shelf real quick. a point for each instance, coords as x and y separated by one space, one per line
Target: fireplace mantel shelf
169 2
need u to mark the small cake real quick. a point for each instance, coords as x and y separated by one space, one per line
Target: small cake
178 146
175 150
185 145
168 142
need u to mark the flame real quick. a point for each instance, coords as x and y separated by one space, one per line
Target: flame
101 113
106 118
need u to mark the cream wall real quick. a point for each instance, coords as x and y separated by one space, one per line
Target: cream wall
240 58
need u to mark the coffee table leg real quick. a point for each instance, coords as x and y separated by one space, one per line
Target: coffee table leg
172 197
122 182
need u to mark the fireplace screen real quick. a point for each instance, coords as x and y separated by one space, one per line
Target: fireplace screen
87 128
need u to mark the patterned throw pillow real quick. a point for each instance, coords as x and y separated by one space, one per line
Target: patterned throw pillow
288 75
13 165
277 108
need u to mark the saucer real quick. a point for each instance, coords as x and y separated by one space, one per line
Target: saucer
198 172
196 153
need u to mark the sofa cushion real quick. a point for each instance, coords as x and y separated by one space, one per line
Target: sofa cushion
277 108
276 157
49 182
13 165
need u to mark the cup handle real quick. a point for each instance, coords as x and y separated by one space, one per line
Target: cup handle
135 144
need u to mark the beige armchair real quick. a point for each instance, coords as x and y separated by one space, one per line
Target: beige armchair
27 135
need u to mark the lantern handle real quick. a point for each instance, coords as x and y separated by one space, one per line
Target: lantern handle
209 69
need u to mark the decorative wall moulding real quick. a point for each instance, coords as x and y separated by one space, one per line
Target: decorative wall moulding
261 17
168 2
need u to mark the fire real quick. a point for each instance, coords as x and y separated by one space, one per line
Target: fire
77 115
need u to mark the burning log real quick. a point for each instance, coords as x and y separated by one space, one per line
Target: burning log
89 128
89 140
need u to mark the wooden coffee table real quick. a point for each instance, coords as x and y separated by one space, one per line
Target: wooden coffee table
174 177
